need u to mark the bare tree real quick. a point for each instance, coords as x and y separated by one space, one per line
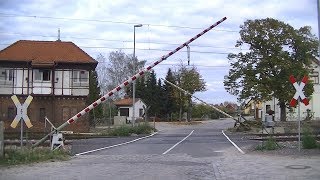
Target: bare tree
116 69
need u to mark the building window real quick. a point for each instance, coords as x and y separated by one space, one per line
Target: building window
141 114
6 74
314 77
42 75
11 113
124 112
42 114
80 76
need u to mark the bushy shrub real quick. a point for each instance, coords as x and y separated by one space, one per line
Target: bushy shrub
143 128
308 140
270 144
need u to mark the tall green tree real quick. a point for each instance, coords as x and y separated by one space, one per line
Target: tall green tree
140 87
151 95
94 94
170 98
161 102
276 50
189 79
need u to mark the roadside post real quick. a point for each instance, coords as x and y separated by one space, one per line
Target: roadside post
1 139
299 96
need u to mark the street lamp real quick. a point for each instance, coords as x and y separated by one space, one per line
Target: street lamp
134 69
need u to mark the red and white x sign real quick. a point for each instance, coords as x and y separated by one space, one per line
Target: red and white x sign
299 92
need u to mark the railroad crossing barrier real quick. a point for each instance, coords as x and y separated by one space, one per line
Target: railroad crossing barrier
127 82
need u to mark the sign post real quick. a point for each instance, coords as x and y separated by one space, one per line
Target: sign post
299 96
22 110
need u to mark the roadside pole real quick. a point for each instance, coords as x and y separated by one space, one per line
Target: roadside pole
299 96
1 139
299 136
21 133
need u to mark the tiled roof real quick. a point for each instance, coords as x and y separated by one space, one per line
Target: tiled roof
45 52
125 102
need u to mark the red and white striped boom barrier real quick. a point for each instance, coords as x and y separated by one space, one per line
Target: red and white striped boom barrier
186 92
126 83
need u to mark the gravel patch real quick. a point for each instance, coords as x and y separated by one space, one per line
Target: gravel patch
286 149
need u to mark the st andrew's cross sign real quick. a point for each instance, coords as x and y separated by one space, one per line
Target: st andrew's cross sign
299 93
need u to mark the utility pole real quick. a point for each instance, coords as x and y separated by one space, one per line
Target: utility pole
134 69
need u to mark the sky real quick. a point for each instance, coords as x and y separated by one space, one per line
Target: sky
103 26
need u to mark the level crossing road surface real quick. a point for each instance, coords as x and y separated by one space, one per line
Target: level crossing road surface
176 152
205 140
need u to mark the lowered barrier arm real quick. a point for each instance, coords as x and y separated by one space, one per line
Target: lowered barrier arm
186 92
125 83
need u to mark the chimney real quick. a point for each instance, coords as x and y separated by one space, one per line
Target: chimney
59 35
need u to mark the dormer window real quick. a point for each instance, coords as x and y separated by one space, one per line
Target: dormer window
42 75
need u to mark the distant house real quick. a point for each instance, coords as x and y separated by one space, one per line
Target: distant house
125 108
314 105
253 108
55 73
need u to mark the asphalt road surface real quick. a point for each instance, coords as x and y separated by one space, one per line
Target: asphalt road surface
175 152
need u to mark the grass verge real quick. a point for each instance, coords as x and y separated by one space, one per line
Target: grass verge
26 156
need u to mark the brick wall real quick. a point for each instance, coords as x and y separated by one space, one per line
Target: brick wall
57 109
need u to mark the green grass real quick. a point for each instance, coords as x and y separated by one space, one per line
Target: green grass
26 156
143 128
270 144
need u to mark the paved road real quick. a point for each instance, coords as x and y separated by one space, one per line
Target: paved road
206 140
205 154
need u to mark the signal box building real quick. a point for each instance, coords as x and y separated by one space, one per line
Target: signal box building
55 73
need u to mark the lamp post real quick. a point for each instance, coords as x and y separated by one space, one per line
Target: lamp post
134 69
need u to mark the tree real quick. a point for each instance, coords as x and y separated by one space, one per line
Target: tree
190 80
151 95
119 67
94 94
161 99
276 50
170 98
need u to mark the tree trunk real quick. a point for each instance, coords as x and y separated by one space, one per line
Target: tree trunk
180 104
189 110
283 109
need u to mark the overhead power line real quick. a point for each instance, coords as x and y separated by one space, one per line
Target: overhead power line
142 49
118 40
104 21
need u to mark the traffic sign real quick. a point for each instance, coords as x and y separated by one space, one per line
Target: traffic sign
21 111
299 93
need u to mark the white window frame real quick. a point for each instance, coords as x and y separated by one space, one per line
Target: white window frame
314 76
76 76
8 75
40 78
